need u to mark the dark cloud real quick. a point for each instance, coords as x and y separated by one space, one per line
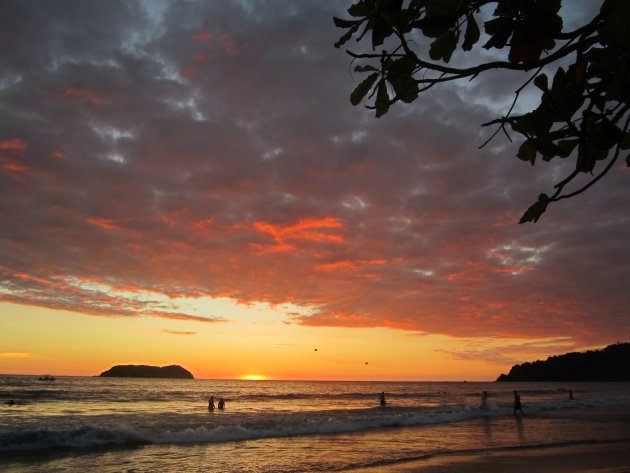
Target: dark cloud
209 148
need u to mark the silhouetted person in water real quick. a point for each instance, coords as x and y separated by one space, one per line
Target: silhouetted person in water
211 403
221 403
382 399
484 400
517 403
570 395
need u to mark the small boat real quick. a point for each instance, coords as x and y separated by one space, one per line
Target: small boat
47 377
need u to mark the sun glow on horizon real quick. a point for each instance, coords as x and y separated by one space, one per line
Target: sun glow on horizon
253 377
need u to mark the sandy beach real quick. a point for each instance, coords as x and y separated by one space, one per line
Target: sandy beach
610 457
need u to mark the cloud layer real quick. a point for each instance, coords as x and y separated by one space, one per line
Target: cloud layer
187 149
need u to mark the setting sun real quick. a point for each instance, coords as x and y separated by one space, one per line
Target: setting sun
253 377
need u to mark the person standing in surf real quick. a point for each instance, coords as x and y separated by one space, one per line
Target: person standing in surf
211 403
382 399
517 403
484 400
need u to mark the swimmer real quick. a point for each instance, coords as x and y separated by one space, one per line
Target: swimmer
382 399
517 403
484 400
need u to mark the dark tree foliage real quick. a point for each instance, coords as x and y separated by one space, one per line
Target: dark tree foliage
583 111
609 364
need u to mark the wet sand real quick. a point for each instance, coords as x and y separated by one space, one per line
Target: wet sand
612 457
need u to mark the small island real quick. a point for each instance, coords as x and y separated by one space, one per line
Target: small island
608 364
145 371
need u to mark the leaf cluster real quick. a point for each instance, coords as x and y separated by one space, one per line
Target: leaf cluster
584 110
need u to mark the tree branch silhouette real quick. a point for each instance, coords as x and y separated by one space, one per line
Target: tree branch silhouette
581 108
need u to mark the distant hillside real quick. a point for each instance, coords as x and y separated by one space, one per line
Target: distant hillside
610 364
144 371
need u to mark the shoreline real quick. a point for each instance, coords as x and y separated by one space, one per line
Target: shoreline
609 456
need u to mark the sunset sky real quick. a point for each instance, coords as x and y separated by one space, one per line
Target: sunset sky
187 183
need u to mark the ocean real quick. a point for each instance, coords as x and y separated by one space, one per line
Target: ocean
135 425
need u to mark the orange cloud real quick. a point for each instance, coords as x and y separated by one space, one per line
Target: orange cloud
175 217
30 277
111 225
104 223
16 355
203 36
89 296
474 273
181 316
89 94
308 229
14 144
229 45
12 166
202 225
203 56
335 319
350 265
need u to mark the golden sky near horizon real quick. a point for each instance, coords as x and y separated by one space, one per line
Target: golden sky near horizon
257 343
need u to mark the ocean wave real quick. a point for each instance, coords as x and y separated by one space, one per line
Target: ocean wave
164 428
192 429
331 396
242 428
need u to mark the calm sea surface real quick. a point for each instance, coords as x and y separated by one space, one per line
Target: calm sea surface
115 424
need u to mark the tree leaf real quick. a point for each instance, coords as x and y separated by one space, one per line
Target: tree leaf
443 47
400 76
586 159
434 27
367 68
500 30
443 8
526 44
380 31
618 87
346 36
405 65
533 213
361 8
527 152
472 34
363 88
382 100
604 134
615 29
405 87
542 82
566 147
546 147
341 23
531 124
